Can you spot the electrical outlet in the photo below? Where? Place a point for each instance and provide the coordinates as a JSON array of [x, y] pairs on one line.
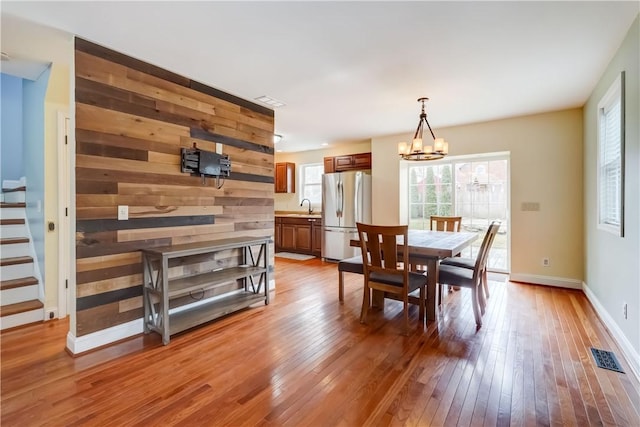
[[546, 262], [123, 212], [625, 309]]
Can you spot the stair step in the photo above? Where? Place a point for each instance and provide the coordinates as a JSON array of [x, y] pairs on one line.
[[12, 190], [13, 231], [13, 205], [14, 221], [16, 260], [13, 240], [21, 307], [18, 283]]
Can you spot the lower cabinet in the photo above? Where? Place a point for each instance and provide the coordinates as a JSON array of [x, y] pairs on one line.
[[316, 232], [299, 235]]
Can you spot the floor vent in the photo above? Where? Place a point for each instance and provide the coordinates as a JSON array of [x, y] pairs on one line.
[[606, 360]]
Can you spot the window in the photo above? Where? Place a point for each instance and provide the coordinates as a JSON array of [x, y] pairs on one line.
[[430, 190], [311, 182], [473, 187], [610, 159]]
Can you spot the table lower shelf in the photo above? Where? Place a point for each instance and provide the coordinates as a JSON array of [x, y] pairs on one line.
[[194, 316]]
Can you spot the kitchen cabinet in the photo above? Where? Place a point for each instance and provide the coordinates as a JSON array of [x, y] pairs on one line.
[[278, 233], [299, 235], [329, 167], [316, 238], [347, 162], [285, 177]]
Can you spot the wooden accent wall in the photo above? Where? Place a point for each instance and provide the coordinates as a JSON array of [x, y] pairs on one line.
[[132, 119]]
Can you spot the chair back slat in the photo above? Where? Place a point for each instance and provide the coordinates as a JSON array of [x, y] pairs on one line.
[[487, 241], [380, 252], [389, 249], [445, 223]]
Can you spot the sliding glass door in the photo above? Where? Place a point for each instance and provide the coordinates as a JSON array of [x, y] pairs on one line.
[[475, 188]]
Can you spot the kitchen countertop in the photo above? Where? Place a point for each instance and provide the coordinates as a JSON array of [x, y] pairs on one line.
[[298, 214]]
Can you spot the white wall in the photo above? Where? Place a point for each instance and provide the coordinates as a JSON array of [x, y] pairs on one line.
[[612, 265], [35, 42], [546, 167]]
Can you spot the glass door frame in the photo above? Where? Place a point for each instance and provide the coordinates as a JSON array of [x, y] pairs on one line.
[[452, 160]]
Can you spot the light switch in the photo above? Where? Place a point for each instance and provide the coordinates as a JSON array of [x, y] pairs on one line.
[[123, 212], [530, 206]]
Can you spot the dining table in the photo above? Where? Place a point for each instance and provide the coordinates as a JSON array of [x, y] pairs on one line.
[[426, 248]]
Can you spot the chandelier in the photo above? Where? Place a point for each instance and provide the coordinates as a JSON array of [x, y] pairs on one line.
[[417, 151]]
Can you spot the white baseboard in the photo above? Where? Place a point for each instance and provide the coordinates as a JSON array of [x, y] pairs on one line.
[[77, 345], [560, 282], [630, 354]]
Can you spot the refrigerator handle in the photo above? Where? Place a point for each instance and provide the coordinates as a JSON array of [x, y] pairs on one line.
[[340, 199]]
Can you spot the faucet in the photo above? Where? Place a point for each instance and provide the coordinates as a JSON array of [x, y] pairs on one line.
[[302, 202]]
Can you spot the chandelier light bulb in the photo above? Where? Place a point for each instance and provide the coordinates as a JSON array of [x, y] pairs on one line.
[[417, 145]]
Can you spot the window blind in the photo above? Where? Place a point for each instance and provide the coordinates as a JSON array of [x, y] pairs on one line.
[[610, 160]]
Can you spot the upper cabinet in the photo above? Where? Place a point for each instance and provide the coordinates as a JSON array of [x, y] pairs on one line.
[[348, 162], [328, 165], [285, 177]]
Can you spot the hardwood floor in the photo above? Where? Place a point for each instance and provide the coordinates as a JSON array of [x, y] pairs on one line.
[[305, 360]]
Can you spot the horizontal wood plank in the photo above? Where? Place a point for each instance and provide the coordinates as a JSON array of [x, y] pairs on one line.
[[107, 261], [102, 120], [98, 288], [153, 233], [96, 225]]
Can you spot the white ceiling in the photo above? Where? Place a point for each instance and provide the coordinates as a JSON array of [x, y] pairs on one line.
[[353, 70]]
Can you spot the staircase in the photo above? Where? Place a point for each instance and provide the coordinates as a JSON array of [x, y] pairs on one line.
[[19, 288]]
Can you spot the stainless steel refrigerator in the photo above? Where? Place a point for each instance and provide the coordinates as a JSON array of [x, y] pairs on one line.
[[346, 199]]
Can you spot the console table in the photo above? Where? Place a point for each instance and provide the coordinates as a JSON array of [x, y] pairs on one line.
[[159, 288]]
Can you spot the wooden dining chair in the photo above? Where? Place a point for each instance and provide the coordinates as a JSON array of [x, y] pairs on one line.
[[472, 278], [469, 263], [386, 268], [445, 223]]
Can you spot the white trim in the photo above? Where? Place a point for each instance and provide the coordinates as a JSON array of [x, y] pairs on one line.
[[613, 95], [36, 265], [97, 339], [103, 337], [560, 282], [71, 229], [629, 353], [64, 257]]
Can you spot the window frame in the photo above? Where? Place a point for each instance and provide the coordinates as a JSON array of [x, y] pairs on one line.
[[303, 183], [614, 94], [453, 161]]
